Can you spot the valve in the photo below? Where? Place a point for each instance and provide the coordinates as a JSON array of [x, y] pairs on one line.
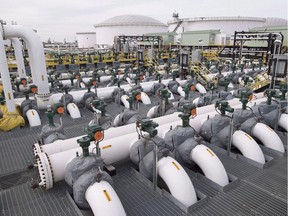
[[133, 96], [100, 105], [84, 143], [211, 86], [223, 107], [159, 77], [283, 90], [147, 125], [94, 132], [188, 110], [174, 74], [33, 89], [51, 111], [269, 93], [187, 88], [225, 83], [245, 97], [164, 94], [246, 80]]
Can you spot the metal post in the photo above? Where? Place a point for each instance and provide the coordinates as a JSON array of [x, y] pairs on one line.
[[231, 135], [155, 163]]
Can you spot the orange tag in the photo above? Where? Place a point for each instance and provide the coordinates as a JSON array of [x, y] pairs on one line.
[[98, 136], [94, 82], [24, 82], [193, 112], [138, 97], [60, 110], [33, 90], [192, 88]]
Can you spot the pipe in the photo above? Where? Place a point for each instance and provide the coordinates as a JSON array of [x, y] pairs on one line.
[[171, 95], [124, 101], [145, 98], [4, 71], [114, 150], [247, 146], [180, 91], [33, 118], [19, 57], [171, 120], [283, 121], [181, 187], [35, 48], [268, 137], [106, 93], [103, 200], [200, 88], [207, 160], [73, 110]]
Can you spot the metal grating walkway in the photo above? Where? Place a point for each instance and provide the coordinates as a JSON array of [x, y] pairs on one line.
[[23, 201]]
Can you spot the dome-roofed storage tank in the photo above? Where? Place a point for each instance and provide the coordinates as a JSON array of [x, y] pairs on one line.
[[130, 25]]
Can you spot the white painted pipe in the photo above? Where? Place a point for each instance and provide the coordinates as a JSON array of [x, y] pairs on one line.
[[152, 111], [171, 95], [248, 146], [35, 48], [180, 91], [73, 111], [207, 160], [268, 137], [19, 57], [283, 121], [125, 101], [171, 120], [33, 118], [181, 187], [4, 71], [145, 98], [200, 88], [114, 150], [103, 200]]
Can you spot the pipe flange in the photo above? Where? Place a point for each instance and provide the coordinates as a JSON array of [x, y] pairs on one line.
[[45, 171], [37, 149]]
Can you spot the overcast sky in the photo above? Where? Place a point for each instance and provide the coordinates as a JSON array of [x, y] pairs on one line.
[[59, 19]]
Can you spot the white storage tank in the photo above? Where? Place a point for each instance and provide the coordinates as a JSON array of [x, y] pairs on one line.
[[130, 25], [226, 24], [86, 39]]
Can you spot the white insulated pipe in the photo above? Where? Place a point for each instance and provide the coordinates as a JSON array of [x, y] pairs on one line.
[[210, 164], [268, 137], [248, 146], [283, 121], [180, 91], [200, 88], [114, 150], [73, 111], [35, 48], [181, 187], [103, 200], [19, 57], [33, 118], [8, 92], [173, 120]]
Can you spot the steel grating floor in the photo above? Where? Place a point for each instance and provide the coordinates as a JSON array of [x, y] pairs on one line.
[[257, 191]]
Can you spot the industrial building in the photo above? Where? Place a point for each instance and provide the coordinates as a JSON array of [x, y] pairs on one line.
[[86, 39]]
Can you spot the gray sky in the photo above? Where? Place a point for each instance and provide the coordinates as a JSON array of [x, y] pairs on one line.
[[59, 19]]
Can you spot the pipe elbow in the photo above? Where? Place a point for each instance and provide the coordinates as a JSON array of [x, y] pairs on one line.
[[268, 137], [248, 146], [210, 164], [103, 200], [177, 181]]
